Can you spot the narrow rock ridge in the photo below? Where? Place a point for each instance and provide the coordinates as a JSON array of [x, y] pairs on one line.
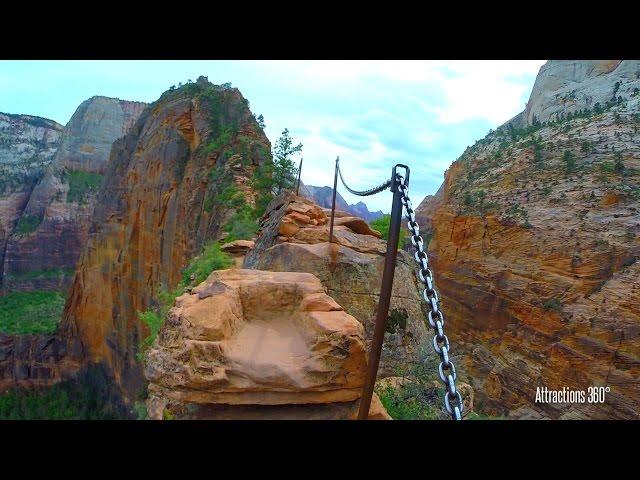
[[157, 207], [293, 237]]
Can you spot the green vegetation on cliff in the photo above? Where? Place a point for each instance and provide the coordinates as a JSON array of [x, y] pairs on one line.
[[200, 267], [45, 273], [281, 173], [81, 184], [382, 223], [30, 312], [211, 258], [242, 225], [411, 402], [27, 224]]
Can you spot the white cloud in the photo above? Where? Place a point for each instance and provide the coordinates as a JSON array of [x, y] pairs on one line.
[[372, 113]]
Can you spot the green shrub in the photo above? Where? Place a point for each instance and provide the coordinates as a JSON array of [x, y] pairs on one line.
[[569, 161], [552, 304], [382, 223], [27, 224], [242, 225], [397, 320], [154, 321], [618, 165], [212, 258], [30, 312], [81, 184], [403, 406], [607, 167]]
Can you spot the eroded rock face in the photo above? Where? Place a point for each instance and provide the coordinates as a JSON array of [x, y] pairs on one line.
[[61, 204], [566, 86], [539, 275], [251, 337], [27, 145], [157, 207], [294, 237], [35, 360]]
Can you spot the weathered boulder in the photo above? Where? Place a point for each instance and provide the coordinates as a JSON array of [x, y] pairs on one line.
[[251, 337], [238, 249], [351, 271]]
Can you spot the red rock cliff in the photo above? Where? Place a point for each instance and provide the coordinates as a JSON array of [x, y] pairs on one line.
[[535, 249], [157, 207]]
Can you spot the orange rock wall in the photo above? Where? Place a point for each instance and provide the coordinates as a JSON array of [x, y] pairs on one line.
[[154, 213]]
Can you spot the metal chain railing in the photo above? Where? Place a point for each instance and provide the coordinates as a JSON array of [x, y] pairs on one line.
[[446, 369], [364, 193]]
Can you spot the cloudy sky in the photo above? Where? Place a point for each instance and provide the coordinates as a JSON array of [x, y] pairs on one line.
[[373, 114]]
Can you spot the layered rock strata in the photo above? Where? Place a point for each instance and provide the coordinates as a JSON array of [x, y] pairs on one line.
[[60, 207], [535, 247]]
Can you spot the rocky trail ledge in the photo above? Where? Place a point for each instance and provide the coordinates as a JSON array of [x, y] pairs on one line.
[[284, 334]]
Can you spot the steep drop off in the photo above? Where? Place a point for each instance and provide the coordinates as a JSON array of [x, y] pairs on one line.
[[162, 198], [536, 239]]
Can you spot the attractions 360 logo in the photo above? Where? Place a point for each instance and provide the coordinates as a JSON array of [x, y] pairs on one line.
[[566, 395]]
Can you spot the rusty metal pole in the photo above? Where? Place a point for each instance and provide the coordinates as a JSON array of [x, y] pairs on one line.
[[299, 173], [333, 202], [384, 301]]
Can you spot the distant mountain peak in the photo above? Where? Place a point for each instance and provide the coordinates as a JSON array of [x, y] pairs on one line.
[[323, 196]]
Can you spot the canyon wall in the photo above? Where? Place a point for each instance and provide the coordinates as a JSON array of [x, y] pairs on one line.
[[535, 246], [43, 254], [159, 203], [27, 145]]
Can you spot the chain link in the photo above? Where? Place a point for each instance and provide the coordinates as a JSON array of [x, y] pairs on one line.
[[365, 193], [446, 369]]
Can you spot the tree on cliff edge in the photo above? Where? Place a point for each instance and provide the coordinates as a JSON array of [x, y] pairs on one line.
[[272, 177], [284, 170]]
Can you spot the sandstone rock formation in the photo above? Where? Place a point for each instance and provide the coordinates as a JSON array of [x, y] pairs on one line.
[[294, 236], [60, 208], [536, 239], [159, 203], [264, 341], [36, 360], [27, 146], [566, 86], [238, 249]]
